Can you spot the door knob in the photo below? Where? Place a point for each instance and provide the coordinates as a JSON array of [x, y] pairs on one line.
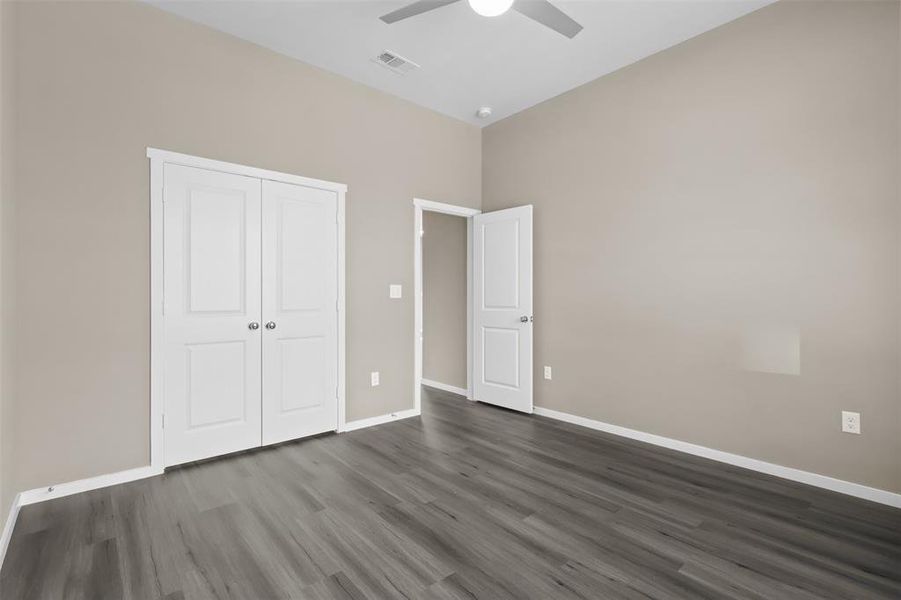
[[253, 326], [524, 319], [270, 325]]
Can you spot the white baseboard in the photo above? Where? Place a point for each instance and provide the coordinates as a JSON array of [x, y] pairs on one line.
[[92, 483], [8, 527], [101, 481], [814, 479], [85, 485], [445, 387], [380, 420]]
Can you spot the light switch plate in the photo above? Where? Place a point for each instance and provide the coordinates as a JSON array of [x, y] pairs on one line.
[[548, 374], [395, 290], [374, 378]]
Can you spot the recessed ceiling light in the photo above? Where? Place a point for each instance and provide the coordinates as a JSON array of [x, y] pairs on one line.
[[484, 112]]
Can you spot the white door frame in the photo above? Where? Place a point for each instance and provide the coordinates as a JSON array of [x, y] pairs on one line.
[[158, 159], [420, 205]]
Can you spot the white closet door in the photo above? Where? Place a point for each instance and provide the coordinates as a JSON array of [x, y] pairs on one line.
[[502, 315], [300, 277], [211, 304]]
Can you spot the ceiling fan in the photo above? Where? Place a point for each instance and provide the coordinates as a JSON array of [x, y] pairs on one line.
[[538, 10]]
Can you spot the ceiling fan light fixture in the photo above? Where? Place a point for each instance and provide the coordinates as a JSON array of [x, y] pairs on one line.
[[490, 8]]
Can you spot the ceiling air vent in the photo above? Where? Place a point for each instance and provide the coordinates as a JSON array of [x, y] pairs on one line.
[[395, 62]]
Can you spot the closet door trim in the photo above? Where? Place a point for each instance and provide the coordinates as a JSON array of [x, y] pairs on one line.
[[160, 158]]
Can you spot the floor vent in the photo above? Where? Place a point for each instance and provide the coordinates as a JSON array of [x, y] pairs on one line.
[[395, 62]]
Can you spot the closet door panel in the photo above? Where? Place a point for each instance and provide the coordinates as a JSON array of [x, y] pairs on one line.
[[300, 274], [211, 296]]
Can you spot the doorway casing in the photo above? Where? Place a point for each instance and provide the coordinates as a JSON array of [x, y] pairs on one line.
[[419, 206]]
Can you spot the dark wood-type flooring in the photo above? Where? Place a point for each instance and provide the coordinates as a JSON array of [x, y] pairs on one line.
[[468, 501]]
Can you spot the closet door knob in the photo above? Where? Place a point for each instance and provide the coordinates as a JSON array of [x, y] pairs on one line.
[[270, 325], [253, 326]]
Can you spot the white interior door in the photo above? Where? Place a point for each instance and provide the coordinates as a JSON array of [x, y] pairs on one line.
[[300, 311], [211, 302], [502, 308]]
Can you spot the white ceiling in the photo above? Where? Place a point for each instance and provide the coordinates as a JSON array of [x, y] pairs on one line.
[[508, 62]]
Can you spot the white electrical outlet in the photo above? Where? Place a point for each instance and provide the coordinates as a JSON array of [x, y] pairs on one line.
[[374, 378], [547, 372], [395, 290], [850, 422]]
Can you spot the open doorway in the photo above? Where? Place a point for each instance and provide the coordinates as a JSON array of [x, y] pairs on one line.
[[498, 326], [442, 278], [444, 283]]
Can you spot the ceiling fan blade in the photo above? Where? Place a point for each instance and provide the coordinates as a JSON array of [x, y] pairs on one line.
[[411, 10], [548, 15]]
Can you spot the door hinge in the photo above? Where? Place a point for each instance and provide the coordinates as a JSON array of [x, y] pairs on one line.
[[164, 420]]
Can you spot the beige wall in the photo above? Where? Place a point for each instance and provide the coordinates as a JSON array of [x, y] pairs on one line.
[[99, 82], [7, 119], [444, 298], [745, 181], [717, 239]]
